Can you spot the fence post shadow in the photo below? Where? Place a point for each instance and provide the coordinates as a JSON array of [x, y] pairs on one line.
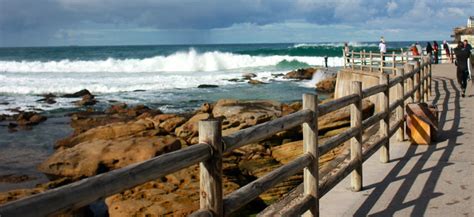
[[427, 193]]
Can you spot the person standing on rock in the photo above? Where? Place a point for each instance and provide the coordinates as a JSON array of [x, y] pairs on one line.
[[383, 49], [462, 72], [346, 52]]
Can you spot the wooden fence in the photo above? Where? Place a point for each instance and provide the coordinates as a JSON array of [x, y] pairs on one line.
[[412, 84]]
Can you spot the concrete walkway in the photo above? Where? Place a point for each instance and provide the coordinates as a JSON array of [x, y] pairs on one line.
[[435, 180]]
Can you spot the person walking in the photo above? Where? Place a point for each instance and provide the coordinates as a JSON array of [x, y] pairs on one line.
[[462, 55], [419, 48], [447, 51], [466, 45], [429, 50], [382, 49], [435, 51]]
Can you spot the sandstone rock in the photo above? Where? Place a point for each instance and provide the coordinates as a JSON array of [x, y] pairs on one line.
[[13, 195], [98, 156], [326, 85], [109, 131], [190, 129], [80, 93], [291, 108], [176, 194], [341, 118], [206, 108], [242, 114], [170, 124], [301, 74]]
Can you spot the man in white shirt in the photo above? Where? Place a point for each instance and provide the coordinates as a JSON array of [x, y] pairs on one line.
[[382, 48]]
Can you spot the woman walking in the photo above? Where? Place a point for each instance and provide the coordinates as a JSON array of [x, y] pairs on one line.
[[435, 51]]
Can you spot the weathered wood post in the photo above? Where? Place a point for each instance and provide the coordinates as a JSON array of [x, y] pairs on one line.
[[344, 57], [401, 107], [381, 62], [394, 59], [409, 68], [426, 79], [211, 169], [430, 79], [371, 61], [310, 146], [417, 82], [422, 81], [385, 122], [401, 50], [356, 141], [352, 59]]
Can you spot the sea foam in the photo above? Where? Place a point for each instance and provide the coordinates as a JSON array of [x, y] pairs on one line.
[[190, 61]]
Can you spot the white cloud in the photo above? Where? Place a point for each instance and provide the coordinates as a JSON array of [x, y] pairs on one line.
[[391, 7]]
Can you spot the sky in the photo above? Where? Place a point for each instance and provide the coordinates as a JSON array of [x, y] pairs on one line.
[[141, 22]]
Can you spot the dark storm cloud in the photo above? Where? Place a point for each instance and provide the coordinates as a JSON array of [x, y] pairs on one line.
[[48, 20]]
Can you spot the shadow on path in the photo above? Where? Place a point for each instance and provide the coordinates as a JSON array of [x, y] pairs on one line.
[[446, 133]]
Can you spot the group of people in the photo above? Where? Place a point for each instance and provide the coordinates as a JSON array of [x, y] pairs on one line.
[[463, 53]]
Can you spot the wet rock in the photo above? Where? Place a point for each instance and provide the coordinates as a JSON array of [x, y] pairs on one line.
[[97, 156], [4, 103], [207, 86], [301, 74], [235, 80], [326, 85], [80, 93], [249, 76], [14, 178], [87, 100], [2, 117], [251, 81], [29, 118], [278, 75]]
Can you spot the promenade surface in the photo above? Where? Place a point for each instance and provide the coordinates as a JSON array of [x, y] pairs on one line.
[[435, 180]]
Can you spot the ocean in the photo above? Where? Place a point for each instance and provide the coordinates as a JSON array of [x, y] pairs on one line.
[[160, 76]]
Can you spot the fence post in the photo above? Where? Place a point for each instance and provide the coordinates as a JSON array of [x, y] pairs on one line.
[[381, 62], [356, 141], [409, 68], [352, 59], [371, 61], [429, 80], [310, 145], [385, 122], [394, 62], [425, 79], [401, 50], [401, 107], [211, 169], [417, 82]]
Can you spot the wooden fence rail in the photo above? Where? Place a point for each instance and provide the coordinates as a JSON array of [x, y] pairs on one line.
[[208, 153]]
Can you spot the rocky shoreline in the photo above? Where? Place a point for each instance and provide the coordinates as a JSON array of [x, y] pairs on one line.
[[121, 135]]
